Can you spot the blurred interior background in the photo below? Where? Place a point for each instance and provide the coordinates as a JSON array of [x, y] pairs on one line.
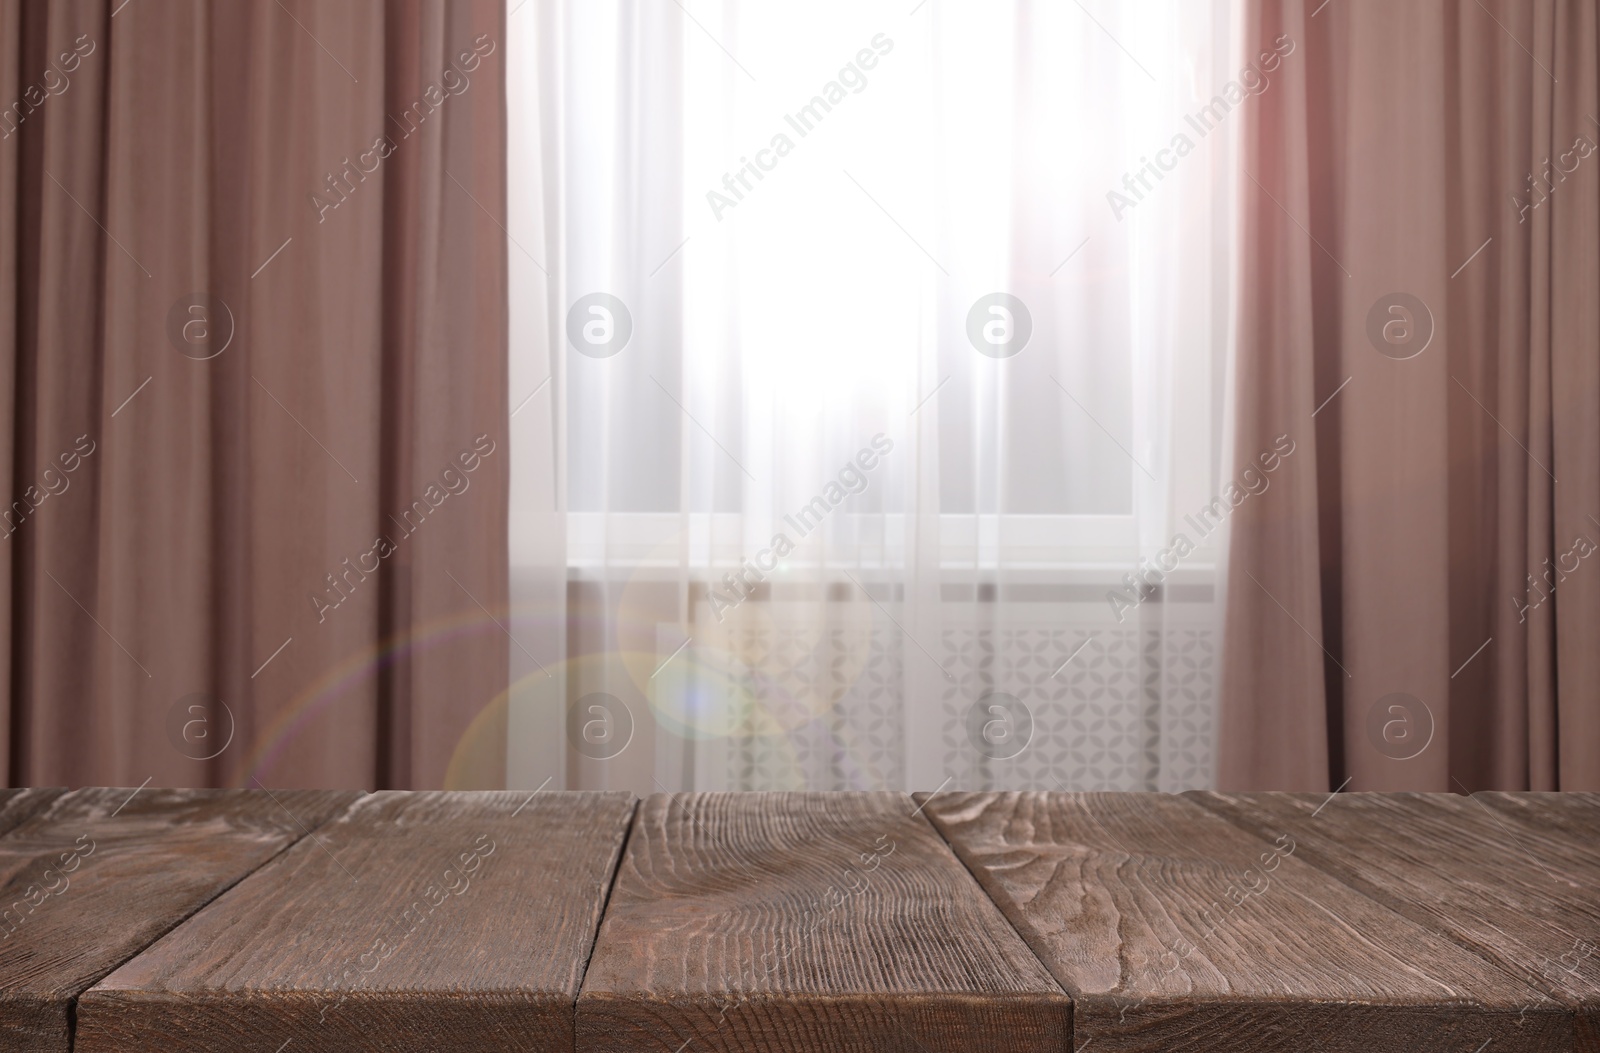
[[725, 395]]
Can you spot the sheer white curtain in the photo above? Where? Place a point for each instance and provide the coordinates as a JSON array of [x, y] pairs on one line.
[[871, 347]]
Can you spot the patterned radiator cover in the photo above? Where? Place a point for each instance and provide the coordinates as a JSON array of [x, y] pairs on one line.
[[828, 709]]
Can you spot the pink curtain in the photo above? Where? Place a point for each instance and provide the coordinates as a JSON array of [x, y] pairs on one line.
[[1415, 605], [253, 374]]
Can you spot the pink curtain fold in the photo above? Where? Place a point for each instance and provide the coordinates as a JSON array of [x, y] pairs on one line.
[[251, 261], [1416, 605]]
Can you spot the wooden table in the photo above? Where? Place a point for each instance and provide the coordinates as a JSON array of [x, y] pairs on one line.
[[295, 922]]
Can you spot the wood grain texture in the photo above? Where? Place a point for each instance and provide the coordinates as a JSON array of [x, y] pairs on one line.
[[19, 805], [1572, 817], [806, 921], [414, 923], [1519, 894], [1173, 930], [99, 874]]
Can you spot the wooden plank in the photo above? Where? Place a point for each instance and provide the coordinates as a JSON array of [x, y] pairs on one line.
[[1520, 896], [1176, 931], [19, 805], [435, 922], [806, 921], [101, 873], [1572, 816]]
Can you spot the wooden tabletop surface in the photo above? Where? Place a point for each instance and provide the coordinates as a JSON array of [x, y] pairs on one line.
[[192, 921]]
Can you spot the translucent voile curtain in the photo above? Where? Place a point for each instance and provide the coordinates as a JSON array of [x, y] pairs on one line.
[[879, 357]]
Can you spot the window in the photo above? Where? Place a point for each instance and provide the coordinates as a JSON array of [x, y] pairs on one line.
[[983, 235]]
